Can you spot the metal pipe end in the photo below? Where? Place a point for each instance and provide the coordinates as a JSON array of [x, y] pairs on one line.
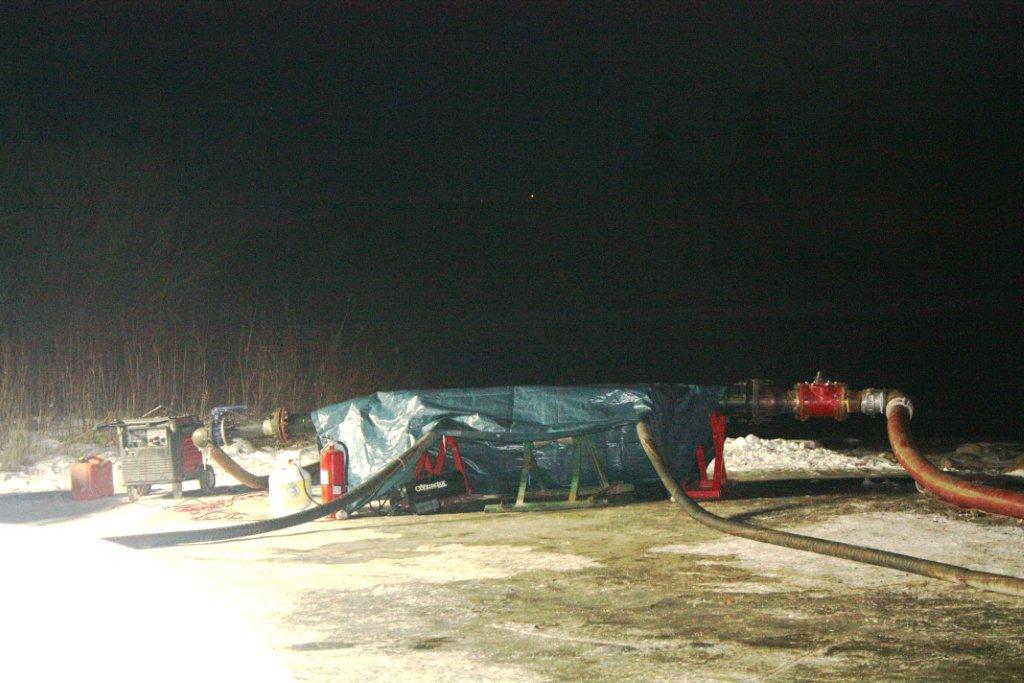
[[201, 437], [872, 401]]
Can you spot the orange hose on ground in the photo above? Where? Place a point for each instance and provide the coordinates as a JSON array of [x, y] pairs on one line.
[[945, 486], [227, 463]]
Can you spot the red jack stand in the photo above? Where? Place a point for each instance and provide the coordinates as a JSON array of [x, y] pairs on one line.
[[424, 468], [710, 488]]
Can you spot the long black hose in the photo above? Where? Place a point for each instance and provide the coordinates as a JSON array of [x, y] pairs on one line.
[[999, 583], [358, 495]]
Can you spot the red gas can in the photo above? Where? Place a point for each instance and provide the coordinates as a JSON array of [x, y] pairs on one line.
[[333, 483], [92, 478]]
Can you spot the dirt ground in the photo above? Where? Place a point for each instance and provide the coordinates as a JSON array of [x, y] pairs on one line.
[[620, 593]]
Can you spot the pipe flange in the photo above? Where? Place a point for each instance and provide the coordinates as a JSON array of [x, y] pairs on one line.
[[282, 425]]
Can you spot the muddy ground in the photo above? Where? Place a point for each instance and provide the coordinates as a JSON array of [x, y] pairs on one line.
[[621, 593]]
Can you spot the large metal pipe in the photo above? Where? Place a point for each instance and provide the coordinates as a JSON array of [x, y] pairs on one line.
[[281, 425], [757, 401], [1009, 585]]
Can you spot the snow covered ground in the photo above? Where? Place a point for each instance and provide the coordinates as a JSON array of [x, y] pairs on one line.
[[752, 454], [289, 599], [53, 472]]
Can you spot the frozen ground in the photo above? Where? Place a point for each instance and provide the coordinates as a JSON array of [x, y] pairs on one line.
[[52, 472], [634, 592]]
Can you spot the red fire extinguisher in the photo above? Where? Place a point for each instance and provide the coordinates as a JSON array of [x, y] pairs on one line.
[[332, 473]]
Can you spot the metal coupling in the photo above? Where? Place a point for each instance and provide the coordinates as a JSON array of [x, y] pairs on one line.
[[821, 398], [276, 426], [872, 401], [201, 437]]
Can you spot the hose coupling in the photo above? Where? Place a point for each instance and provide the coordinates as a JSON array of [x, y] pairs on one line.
[[896, 400], [201, 437], [872, 401]]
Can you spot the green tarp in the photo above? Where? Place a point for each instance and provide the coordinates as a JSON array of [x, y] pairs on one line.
[[492, 424]]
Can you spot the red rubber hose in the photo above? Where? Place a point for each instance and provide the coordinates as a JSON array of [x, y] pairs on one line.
[[945, 486]]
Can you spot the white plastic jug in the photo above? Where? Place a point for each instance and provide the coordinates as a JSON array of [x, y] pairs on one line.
[[289, 487]]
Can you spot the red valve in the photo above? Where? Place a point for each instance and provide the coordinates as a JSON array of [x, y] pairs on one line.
[[821, 399]]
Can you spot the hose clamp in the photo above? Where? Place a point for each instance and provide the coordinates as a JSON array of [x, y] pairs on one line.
[[897, 401]]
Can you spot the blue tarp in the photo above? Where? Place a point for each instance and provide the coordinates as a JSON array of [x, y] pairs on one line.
[[492, 424]]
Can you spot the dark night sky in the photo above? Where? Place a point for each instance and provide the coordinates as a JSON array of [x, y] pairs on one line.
[[597, 192]]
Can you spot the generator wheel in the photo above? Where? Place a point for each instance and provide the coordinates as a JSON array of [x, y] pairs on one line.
[[207, 480], [176, 489], [136, 492]]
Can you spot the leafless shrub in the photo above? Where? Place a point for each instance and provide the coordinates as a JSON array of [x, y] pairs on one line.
[[110, 305]]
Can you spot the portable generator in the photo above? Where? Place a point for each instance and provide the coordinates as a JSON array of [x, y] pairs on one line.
[[159, 450]]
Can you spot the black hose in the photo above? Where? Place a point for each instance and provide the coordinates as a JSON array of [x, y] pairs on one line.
[[999, 583], [356, 497]]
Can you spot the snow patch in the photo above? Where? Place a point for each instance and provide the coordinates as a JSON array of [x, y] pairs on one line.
[[753, 454], [53, 471]]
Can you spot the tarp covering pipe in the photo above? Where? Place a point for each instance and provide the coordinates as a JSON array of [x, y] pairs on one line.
[[491, 425]]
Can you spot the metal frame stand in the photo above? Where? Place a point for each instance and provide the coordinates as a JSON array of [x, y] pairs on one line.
[[582, 445], [710, 488]]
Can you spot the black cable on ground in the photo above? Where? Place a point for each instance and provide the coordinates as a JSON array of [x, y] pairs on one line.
[[356, 497], [999, 583]]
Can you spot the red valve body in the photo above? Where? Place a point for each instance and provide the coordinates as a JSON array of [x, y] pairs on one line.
[[821, 399]]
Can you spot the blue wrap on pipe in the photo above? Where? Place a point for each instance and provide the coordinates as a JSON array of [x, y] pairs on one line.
[[492, 424]]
